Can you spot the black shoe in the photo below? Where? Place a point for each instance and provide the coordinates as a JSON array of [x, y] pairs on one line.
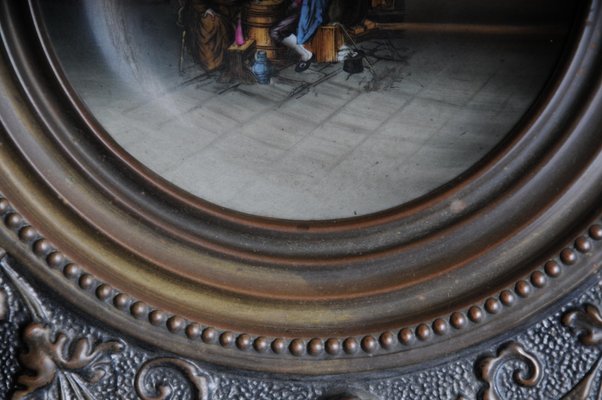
[[304, 65]]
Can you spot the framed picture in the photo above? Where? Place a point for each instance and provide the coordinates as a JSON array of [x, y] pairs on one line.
[[310, 199]]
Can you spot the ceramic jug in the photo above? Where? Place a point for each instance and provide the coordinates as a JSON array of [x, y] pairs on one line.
[[262, 69]]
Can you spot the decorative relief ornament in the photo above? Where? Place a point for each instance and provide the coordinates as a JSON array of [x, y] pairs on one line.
[[198, 380], [587, 324], [219, 303], [527, 369], [50, 359]]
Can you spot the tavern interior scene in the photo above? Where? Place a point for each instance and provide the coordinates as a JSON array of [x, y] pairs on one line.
[[309, 109]]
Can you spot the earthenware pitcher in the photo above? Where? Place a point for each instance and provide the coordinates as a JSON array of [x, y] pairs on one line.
[[262, 69]]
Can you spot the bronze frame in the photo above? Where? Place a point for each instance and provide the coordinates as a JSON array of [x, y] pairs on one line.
[[476, 259]]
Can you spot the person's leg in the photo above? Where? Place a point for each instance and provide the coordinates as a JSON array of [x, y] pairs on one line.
[[284, 32], [291, 42]]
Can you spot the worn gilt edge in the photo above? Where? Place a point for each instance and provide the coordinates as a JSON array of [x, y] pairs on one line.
[[362, 345]]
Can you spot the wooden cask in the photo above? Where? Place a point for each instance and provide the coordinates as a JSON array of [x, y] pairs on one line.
[[260, 17]]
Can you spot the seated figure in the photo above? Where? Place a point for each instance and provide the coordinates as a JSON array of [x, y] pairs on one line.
[[210, 26], [303, 19]]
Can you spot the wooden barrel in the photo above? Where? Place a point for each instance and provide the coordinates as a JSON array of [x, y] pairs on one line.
[[260, 17]]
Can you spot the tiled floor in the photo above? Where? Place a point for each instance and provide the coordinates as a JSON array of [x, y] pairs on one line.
[[347, 146]]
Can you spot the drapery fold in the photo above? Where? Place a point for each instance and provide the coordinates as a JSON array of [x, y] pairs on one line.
[[313, 14]]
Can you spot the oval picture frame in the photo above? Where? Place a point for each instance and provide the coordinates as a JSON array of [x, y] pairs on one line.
[[468, 263]]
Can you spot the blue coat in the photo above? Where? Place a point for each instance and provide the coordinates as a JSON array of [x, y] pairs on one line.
[[313, 14]]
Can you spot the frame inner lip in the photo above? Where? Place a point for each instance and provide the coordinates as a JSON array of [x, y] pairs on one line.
[[357, 242], [186, 216], [150, 182]]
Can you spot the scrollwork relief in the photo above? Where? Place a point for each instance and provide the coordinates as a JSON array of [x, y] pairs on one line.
[[49, 359], [57, 362], [587, 325], [200, 383], [526, 373]]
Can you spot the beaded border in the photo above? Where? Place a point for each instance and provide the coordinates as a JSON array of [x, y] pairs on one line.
[[371, 344]]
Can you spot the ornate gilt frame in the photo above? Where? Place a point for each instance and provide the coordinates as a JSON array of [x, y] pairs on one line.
[[416, 295]]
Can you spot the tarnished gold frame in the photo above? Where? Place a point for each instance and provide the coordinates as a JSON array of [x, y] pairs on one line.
[[460, 266]]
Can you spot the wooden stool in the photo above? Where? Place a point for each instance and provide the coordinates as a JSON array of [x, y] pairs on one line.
[[326, 43], [235, 68]]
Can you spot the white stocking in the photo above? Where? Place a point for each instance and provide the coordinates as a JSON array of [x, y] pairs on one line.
[[291, 42]]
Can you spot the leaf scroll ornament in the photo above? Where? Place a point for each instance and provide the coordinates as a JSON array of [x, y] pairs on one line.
[[147, 390], [587, 324], [527, 374], [53, 361], [46, 358]]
